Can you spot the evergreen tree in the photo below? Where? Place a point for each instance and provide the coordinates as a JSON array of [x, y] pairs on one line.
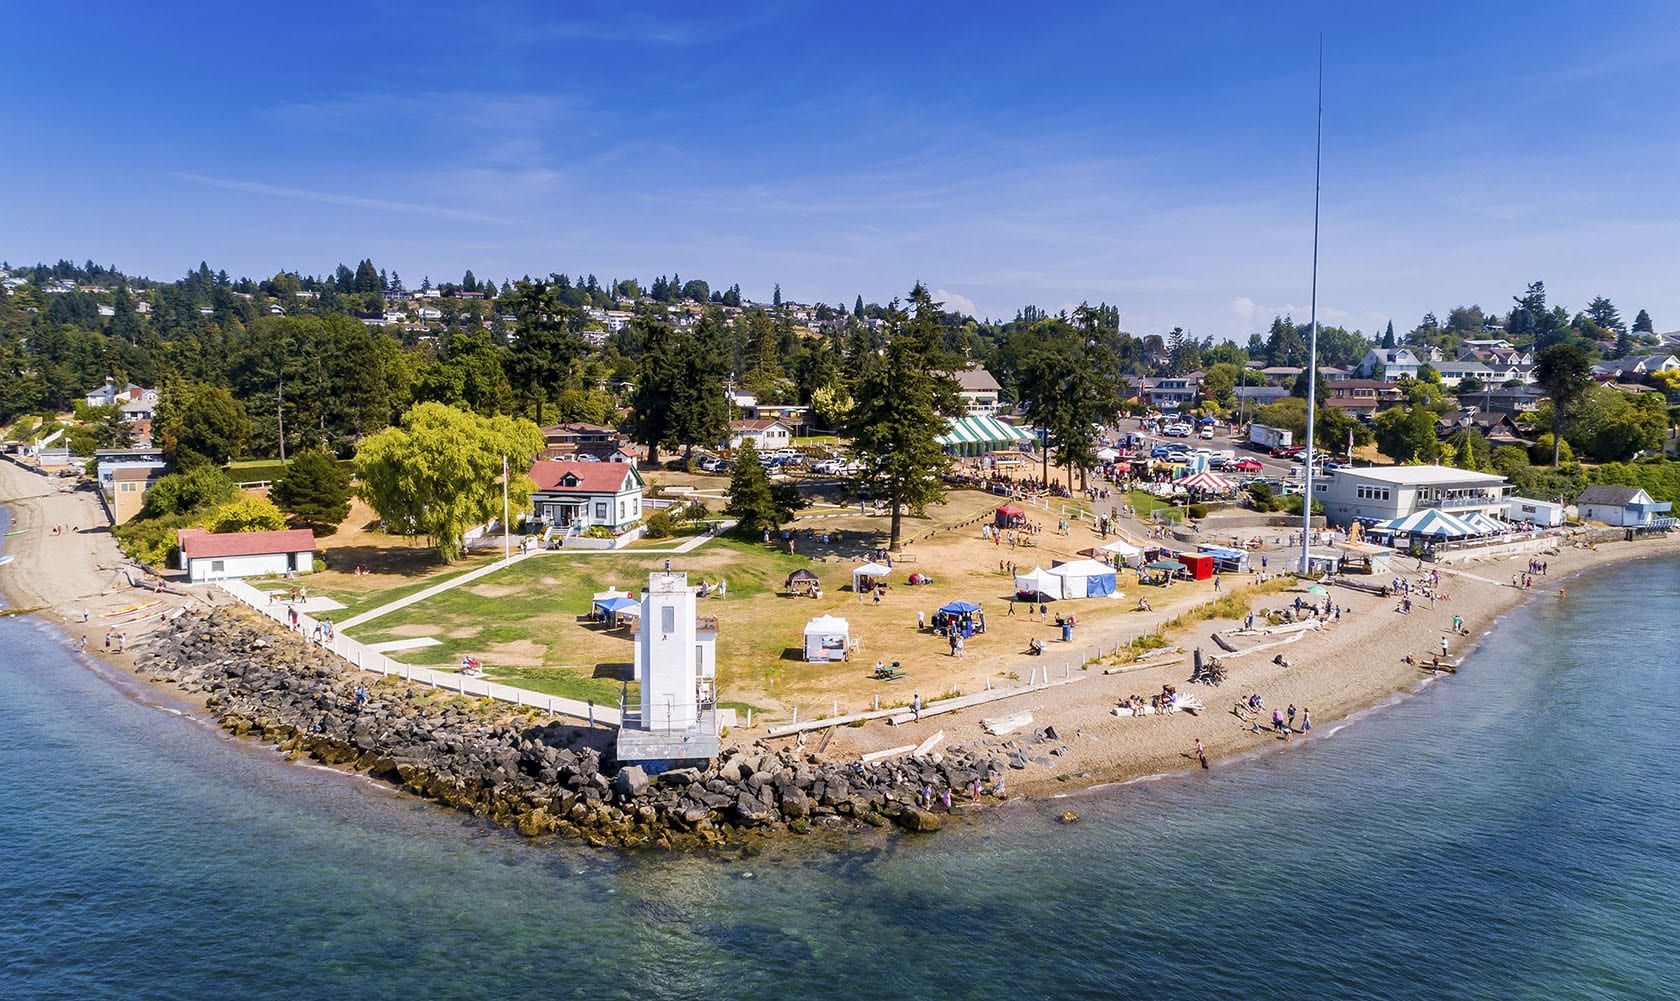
[[857, 307], [758, 504], [539, 363], [366, 278], [314, 491], [1565, 372], [902, 402], [776, 297], [1604, 313], [1642, 323]]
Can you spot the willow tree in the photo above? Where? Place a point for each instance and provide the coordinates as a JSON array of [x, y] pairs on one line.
[[440, 472], [902, 404]]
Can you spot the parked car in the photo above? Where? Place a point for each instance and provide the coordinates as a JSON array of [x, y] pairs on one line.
[[713, 464], [1207, 432]]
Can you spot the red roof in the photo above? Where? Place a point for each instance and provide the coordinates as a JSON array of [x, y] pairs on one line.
[[198, 544], [590, 477]]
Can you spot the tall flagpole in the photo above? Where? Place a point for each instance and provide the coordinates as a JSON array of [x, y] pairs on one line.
[[1312, 343], [507, 550]]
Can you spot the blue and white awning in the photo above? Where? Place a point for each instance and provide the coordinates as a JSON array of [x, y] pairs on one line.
[[1431, 522]]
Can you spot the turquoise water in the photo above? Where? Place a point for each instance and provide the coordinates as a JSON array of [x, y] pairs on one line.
[[1502, 834]]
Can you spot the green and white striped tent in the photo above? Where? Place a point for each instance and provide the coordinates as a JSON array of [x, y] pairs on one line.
[[978, 435]]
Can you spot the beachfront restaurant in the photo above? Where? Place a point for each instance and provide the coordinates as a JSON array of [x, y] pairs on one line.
[[1380, 494]]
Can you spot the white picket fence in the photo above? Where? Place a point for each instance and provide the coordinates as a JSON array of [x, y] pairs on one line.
[[365, 659]]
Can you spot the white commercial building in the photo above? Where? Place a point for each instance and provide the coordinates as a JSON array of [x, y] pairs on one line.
[[1382, 493]]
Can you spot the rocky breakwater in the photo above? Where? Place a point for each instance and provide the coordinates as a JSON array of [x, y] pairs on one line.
[[537, 775]]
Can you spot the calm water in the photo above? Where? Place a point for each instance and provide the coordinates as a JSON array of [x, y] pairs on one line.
[[1500, 835]]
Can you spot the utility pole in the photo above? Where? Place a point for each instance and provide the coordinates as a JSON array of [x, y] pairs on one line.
[[280, 418], [1312, 343]]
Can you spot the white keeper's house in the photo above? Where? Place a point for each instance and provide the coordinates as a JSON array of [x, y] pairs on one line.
[[586, 494], [1382, 493]]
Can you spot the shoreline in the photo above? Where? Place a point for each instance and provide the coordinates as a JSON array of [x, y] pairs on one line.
[[1344, 672]]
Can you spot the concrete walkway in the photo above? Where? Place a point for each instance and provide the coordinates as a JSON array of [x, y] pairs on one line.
[[367, 659], [481, 572]]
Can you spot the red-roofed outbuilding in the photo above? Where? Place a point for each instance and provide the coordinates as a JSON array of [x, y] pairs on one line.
[[221, 555]]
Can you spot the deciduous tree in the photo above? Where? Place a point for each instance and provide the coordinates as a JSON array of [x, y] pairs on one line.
[[440, 472]]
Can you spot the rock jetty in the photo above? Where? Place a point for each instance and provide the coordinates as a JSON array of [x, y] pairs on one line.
[[534, 774]]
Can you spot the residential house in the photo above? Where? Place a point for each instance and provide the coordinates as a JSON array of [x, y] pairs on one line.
[[128, 490], [1363, 397], [107, 461], [579, 438], [1454, 372], [111, 395], [586, 494], [1382, 493], [1389, 364], [1496, 427], [1498, 399], [1626, 507], [1636, 366], [1261, 395], [1174, 391], [764, 434], [207, 556]]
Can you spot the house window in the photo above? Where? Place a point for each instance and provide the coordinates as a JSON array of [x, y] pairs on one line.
[[601, 510], [217, 566]]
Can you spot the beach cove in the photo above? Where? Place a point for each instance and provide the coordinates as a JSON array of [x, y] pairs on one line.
[[758, 785]]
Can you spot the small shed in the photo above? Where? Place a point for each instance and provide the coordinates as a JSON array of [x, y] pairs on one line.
[[220, 556], [866, 577], [1197, 566], [1086, 579], [827, 637], [803, 581], [1039, 585]]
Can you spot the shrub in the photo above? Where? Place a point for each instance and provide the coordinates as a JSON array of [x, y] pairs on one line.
[[597, 532], [1198, 511], [659, 525]]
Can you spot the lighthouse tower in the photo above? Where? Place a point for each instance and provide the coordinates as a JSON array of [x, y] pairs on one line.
[[667, 654]]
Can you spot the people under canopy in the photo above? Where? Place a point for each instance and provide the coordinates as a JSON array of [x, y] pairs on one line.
[[1160, 573], [612, 609], [965, 617], [1039, 585], [803, 581], [1008, 516], [868, 577], [1086, 579], [827, 637], [1120, 551]]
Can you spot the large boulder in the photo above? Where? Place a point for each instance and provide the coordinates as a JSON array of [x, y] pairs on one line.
[[631, 782], [913, 818]]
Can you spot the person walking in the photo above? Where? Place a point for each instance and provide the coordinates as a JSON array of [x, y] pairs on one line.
[[916, 706], [1443, 646], [1306, 719], [1201, 752]]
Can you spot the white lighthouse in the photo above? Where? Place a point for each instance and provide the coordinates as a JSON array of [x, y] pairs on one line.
[[677, 667]]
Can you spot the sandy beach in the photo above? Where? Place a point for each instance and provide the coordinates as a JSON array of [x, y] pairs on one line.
[[77, 579]]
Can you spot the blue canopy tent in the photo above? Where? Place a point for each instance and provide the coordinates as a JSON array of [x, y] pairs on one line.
[[965, 616], [608, 609]]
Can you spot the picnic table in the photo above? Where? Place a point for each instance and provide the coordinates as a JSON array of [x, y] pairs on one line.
[[893, 673]]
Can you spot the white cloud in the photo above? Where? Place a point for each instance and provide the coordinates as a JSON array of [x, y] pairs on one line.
[[353, 201], [954, 303]]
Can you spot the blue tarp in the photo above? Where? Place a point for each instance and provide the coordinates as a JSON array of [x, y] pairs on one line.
[[1099, 585], [614, 605], [960, 608]]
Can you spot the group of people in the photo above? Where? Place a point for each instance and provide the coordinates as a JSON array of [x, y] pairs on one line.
[[1249, 710]]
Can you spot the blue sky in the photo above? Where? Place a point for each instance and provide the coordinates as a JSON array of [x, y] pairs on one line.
[[1154, 156]]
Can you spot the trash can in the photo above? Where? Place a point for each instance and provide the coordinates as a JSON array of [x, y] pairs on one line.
[[1067, 632]]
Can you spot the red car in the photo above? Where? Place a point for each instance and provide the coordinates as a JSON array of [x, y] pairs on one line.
[[1246, 466]]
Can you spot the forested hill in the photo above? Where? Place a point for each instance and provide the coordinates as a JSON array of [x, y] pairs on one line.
[[334, 357]]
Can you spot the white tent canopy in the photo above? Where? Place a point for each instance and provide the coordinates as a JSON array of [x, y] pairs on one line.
[[827, 637], [1086, 579], [872, 570], [1127, 552], [1039, 581]]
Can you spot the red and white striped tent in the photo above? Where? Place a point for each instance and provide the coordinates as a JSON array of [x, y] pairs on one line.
[[1206, 482]]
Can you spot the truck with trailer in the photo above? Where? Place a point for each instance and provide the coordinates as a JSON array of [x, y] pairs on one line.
[[1270, 438]]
